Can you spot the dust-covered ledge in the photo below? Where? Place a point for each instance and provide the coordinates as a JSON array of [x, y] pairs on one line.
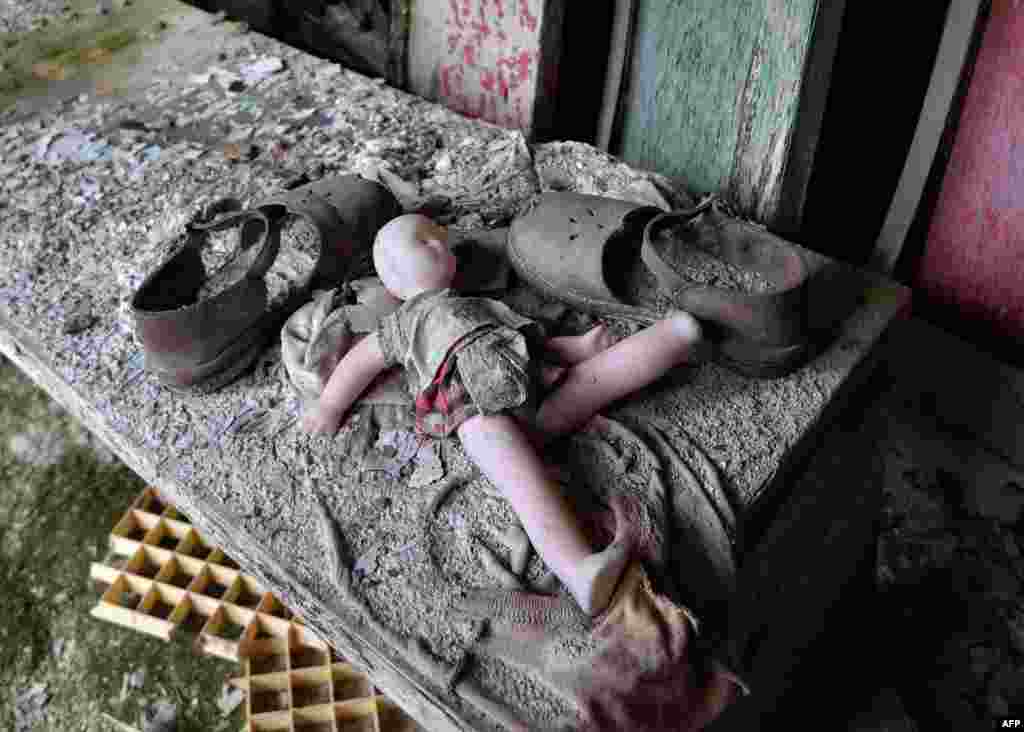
[[97, 186]]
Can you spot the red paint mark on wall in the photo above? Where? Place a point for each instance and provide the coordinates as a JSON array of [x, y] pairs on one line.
[[456, 17], [488, 108], [974, 258], [445, 74], [482, 26], [492, 56], [519, 64], [528, 19]]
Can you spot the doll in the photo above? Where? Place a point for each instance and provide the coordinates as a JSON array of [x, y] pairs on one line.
[[477, 366]]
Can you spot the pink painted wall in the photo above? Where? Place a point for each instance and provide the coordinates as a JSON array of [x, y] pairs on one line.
[[974, 257], [485, 58]]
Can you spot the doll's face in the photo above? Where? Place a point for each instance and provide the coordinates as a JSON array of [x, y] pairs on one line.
[[411, 256]]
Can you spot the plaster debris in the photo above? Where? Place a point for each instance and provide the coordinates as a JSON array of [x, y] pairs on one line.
[[428, 466], [224, 77], [90, 187], [578, 167], [392, 452], [367, 562], [137, 678], [57, 648], [257, 71], [73, 145], [131, 681], [79, 317], [30, 707], [160, 716]]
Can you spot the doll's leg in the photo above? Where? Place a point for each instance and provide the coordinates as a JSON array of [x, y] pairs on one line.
[[574, 349], [612, 374], [499, 447]]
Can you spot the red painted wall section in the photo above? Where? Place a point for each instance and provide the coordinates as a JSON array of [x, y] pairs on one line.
[[490, 68], [974, 256], [484, 57]]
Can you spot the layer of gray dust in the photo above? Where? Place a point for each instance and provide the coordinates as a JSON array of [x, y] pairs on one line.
[[545, 708], [17, 16], [100, 222], [582, 168], [296, 258], [699, 262], [224, 263]]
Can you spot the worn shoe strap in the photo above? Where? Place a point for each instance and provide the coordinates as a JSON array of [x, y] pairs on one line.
[[267, 237]]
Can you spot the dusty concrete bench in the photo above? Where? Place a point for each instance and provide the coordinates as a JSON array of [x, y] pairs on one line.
[[96, 186]]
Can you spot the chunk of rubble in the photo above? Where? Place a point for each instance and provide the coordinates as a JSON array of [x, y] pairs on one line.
[[30, 707], [160, 716], [428, 466]]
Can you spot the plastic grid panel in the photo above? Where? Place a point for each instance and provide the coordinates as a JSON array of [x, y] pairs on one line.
[[162, 578], [295, 683]]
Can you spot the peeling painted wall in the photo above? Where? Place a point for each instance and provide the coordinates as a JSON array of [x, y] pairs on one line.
[[487, 59], [974, 256], [714, 94]]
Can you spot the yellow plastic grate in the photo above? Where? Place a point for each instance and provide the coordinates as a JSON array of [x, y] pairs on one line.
[[162, 578]]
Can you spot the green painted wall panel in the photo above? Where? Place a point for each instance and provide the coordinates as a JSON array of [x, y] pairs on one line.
[[714, 94]]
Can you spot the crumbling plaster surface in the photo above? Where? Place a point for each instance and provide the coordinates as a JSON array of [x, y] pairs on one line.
[[95, 188]]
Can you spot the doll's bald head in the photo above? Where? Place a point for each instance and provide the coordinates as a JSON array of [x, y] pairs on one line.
[[411, 255]]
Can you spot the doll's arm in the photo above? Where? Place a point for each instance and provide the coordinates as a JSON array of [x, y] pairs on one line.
[[359, 367]]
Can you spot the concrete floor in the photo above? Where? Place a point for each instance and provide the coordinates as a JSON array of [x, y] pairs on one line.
[[938, 641], [60, 495]]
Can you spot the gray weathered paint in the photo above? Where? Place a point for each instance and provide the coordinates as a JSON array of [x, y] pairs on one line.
[[716, 92]]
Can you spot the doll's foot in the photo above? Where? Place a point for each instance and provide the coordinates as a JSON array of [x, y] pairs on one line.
[[597, 576]]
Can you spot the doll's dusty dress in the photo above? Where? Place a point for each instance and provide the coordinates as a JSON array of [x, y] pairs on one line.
[[468, 356], [475, 376]]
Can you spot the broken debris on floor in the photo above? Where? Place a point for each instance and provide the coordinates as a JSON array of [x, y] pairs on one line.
[[30, 707]]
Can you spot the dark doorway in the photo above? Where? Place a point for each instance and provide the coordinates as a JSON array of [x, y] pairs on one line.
[[879, 80]]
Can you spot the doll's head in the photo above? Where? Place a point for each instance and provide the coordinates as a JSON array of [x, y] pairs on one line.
[[411, 256]]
